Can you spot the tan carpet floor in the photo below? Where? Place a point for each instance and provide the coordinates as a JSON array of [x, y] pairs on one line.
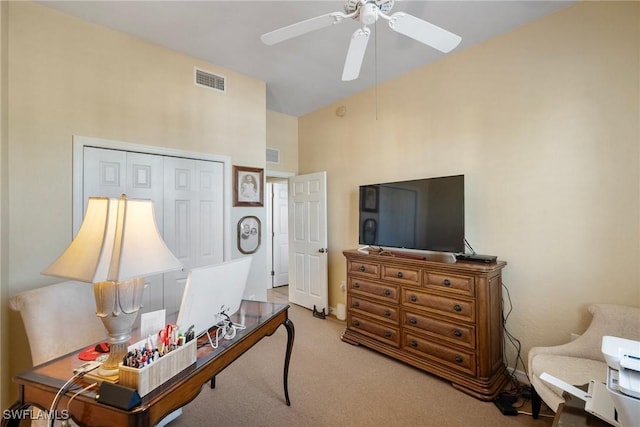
[[332, 383]]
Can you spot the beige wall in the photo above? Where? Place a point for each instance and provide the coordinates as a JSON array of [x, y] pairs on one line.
[[70, 77], [544, 123], [282, 134]]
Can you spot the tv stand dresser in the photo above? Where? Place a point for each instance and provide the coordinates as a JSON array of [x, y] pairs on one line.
[[443, 318]]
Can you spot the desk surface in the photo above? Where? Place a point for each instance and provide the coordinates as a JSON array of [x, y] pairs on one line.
[[40, 384]]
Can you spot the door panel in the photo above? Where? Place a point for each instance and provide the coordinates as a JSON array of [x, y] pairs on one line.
[[308, 241], [188, 205], [193, 219], [111, 173]]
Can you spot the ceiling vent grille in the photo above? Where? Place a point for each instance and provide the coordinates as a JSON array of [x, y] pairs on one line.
[[210, 80], [273, 155]]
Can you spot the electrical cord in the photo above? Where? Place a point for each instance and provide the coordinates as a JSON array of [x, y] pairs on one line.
[[466, 242], [65, 423], [225, 329], [515, 342], [59, 394]]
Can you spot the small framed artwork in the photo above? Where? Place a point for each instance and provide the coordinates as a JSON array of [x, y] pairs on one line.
[[248, 186], [249, 234], [369, 198]]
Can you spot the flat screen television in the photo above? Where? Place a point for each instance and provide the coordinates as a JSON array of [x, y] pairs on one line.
[[424, 214]]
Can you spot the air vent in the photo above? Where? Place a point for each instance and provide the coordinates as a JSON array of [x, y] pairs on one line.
[[210, 80], [273, 155]]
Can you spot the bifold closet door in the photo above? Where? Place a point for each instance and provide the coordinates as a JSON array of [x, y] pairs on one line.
[[111, 173], [193, 214], [188, 202]]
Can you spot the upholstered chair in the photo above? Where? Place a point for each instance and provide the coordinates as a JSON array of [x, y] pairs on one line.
[[580, 360], [58, 319]]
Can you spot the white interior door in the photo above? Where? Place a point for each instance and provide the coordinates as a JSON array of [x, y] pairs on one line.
[[280, 221], [308, 241]]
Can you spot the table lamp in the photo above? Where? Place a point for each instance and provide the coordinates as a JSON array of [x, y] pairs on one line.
[[118, 243]]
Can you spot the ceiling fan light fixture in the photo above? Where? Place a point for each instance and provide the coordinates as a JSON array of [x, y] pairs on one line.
[[369, 14]]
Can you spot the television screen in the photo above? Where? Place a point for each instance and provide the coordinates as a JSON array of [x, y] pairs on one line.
[[425, 214]]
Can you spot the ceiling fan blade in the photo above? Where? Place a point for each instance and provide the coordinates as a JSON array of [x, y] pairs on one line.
[[424, 32], [355, 54], [302, 27]]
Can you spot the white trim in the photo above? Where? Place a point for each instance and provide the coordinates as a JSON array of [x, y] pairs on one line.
[[80, 142], [278, 174]]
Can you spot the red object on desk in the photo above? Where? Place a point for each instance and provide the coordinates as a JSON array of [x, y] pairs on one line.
[[93, 352]]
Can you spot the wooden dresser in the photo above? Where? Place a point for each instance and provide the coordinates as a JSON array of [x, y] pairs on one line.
[[443, 318]]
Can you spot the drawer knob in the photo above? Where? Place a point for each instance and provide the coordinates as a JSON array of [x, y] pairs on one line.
[[413, 344], [388, 335], [363, 268], [387, 313], [457, 308], [356, 323], [457, 333], [458, 359], [387, 292], [413, 321], [356, 285], [413, 298], [400, 275], [356, 304], [446, 282]]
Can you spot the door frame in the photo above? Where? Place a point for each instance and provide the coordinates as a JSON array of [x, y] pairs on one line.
[[272, 175], [80, 142]]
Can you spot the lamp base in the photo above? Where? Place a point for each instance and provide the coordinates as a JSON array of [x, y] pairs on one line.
[[117, 305], [102, 372], [97, 377]]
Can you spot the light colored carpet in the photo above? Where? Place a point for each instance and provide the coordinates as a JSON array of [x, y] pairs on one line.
[[332, 383]]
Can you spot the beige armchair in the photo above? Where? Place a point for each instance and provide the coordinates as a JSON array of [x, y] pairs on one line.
[[58, 319], [580, 360]]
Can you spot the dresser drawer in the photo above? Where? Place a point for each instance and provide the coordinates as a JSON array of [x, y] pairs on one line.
[[456, 308], [450, 283], [401, 275], [368, 269], [380, 331], [373, 309], [457, 333], [460, 360], [384, 292]]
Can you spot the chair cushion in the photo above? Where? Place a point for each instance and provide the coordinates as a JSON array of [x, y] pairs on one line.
[[573, 370]]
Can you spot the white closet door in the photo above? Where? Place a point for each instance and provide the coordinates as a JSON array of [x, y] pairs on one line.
[[193, 214], [110, 173]]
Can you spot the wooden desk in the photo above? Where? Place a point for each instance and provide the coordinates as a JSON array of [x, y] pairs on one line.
[[39, 385]]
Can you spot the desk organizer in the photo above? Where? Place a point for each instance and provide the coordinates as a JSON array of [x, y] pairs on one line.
[[155, 374]]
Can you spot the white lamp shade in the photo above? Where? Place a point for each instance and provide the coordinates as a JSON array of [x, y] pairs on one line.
[[118, 240]]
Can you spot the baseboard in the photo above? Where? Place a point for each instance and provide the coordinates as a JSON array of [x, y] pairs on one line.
[[520, 376]]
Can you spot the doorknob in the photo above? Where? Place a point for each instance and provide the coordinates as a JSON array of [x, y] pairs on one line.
[[323, 250]]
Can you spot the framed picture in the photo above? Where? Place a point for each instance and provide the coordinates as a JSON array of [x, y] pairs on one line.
[[249, 234], [248, 186], [369, 198]]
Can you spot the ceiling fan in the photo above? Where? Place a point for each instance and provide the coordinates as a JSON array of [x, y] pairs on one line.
[[367, 12]]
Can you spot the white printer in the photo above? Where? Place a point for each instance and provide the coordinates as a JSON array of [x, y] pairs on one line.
[[618, 401], [623, 378]]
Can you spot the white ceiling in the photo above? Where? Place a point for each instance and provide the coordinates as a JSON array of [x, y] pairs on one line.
[[302, 74]]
